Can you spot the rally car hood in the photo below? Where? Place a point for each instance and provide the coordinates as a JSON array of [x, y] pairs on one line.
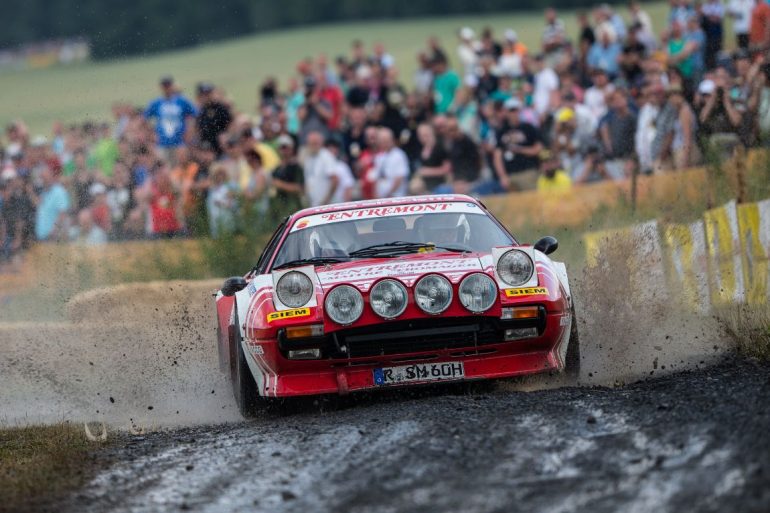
[[408, 269]]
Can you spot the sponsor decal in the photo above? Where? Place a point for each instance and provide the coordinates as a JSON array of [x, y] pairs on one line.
[[565, 320], [288, 314], [526, 291], [252, 289], [386, 211], [257, 349], [400, 269]]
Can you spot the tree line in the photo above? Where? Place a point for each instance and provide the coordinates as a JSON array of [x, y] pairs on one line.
[[118, 28]]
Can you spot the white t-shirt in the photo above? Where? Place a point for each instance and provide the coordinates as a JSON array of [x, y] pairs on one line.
[[741, 10], [346, 181], [546, 81], [318, 170], [390, 167], [596, 101]]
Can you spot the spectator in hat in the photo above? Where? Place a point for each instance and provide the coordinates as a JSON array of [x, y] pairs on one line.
[[467, 50], [553, 179], [516, 156], [605, 52], [288, 178], [171, 113], [214, 117]]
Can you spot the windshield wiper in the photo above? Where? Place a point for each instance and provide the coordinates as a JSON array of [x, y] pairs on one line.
[[391, 249], [311, 261]]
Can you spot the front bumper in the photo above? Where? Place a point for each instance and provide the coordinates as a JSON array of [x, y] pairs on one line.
[[349, 359]]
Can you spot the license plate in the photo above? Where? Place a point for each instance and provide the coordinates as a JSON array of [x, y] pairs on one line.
[[419, 372]]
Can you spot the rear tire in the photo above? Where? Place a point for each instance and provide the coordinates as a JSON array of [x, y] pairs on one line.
[[572, 359], [244, 386]]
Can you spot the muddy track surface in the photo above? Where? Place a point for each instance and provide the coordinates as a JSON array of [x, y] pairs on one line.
[[692, 441]]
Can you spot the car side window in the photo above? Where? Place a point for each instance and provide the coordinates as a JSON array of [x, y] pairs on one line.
[[264, 258]]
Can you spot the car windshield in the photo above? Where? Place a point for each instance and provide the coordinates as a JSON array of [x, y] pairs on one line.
[[453, 226]]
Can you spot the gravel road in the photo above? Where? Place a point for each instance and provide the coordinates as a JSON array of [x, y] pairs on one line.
[[691, 441]]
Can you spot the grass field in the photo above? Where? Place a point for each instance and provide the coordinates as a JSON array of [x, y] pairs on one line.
[[86, 91]]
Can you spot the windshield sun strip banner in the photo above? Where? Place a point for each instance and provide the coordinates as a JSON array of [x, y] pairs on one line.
[[451, 207]]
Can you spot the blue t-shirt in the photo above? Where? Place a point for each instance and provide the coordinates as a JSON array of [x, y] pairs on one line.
[[54, 201], [603, 58], [170, 115]]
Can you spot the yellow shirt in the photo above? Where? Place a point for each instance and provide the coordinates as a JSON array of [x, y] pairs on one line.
[[560, 182]]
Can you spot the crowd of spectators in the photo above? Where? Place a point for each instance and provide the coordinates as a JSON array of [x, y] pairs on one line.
[[623, 97]]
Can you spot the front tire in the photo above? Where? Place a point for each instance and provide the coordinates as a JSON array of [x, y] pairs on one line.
[[572, 359], [244, 386]]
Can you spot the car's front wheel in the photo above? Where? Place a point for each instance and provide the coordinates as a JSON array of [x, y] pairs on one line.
[[244, 386]]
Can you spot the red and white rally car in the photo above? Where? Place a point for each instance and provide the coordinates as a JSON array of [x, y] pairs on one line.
[[402, 291]]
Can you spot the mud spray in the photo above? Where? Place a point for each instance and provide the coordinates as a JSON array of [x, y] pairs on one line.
[[144, 355]]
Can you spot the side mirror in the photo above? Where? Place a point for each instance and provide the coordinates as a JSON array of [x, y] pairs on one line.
[[547, 245], [233, 285]]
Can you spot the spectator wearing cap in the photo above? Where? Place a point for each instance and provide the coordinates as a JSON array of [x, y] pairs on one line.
[[445, 85], [52, 206], [518, 147], [214, 117], [553, 178], [288, 178], [171, 113], [720, 118], [467, 49], [605, 52], [100, 209]]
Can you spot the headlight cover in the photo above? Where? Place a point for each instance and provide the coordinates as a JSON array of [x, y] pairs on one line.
[[388, 298], [515, 268], [478, 292], [344, 304], [294, 289], [433, 294]]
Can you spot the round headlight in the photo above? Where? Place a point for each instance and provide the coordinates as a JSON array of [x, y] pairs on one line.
[[433, 294], [294, 289], [344, 304], [478, 292], [388, 298], [515, 268]]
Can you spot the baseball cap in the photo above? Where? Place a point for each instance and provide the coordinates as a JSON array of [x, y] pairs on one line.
[[741, 53], [285, 140], [166, 80], [510, 35], [97, 188], [8, 174], [707, 87], [512, 104], [205, 87], [467, 33], [565, 114]]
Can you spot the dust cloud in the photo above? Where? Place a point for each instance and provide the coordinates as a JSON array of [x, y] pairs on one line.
[[145, 354]]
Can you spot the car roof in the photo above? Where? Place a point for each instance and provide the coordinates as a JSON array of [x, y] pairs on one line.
[[404, 200]]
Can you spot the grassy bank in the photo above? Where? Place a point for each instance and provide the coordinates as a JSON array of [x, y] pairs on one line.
[[750, 325], [42, 464]]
